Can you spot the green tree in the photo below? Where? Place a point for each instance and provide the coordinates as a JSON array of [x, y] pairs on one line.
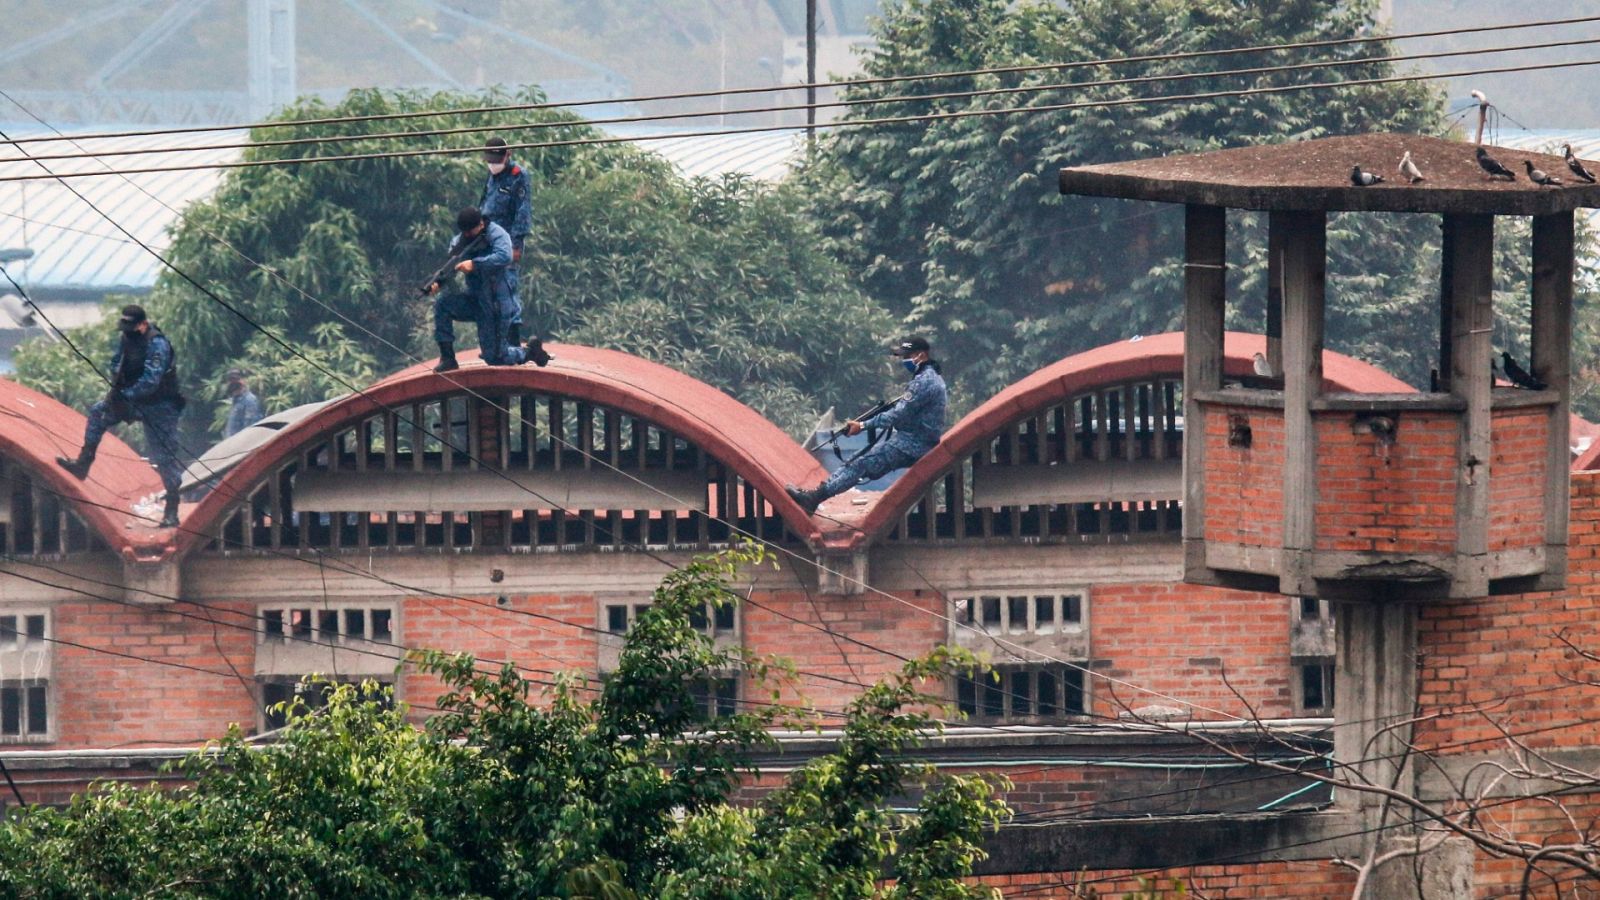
[[957, 225], [513, 790], [722, 279]]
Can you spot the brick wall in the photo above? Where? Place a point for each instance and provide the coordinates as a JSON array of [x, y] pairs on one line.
[[1516, 477], [1374, 495], [1503, 653], [102, 700], [1179, 639], [1244, 485]]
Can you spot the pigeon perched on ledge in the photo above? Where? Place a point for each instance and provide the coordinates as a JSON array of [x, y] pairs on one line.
[[1540, 176], [1364, 179], [1492, 166], [1576, 165], [1409, 169]]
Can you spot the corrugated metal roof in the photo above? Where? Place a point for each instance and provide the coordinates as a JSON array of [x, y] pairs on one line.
[[76, 249], [73, 247]]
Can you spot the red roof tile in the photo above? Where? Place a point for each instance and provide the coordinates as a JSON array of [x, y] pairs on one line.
[[1160, 354], [35, 429], [727, 429]]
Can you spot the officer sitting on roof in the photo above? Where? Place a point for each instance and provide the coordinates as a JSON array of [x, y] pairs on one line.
[[144, 388], [487, 299], [917, 420]]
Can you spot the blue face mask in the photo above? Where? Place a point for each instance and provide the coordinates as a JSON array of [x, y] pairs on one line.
[[910, 365]]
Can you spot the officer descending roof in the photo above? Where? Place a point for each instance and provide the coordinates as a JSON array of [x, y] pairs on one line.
[[144, 388]]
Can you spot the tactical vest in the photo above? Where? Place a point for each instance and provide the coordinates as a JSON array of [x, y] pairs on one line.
[[135, 349]]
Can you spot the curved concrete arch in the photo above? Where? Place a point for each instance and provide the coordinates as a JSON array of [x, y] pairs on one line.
[[728, 430], [1129, 360], [35, 429]]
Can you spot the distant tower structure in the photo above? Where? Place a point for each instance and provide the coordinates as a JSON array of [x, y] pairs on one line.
[[271, 36], [1380, 503]]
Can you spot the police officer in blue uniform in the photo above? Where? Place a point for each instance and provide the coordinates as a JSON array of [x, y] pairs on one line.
[[144, 388], [486, 300], [508, 202], [916, 421]]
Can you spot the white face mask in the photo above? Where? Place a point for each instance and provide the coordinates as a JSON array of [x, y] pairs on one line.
[[496, 168]]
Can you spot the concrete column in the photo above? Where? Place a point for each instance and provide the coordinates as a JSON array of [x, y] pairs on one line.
[[1303, 236], [1471, 324], [1275, 298], [1205, 261], [1552, 364], [1375, 687]]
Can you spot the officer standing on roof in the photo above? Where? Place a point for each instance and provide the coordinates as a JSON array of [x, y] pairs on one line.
[[917, 420], [486, 249], [508, 202], [244, 409], [144, 388]]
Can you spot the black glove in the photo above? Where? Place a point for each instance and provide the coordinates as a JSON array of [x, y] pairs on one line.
[[117, 404]]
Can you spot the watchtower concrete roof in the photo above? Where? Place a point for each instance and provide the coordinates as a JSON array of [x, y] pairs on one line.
[[1315, 175]]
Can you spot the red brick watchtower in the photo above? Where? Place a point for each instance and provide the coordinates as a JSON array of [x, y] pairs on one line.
[[1457, 492]]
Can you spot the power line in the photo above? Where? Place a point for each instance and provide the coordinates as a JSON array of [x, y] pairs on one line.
[[844, 83], [848, 123], [846, 102]]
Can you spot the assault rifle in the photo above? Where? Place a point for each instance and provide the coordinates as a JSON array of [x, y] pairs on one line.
[[465, 252], [873, 435]]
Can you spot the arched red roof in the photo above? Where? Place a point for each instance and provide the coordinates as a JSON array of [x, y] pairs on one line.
[[35, 429], [1129, 360], [730, 431]]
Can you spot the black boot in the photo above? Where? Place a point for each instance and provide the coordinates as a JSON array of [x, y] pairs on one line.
[[447, 358], [536, 352], [78, 467], [808, 500], [169, 519], [514, 335]]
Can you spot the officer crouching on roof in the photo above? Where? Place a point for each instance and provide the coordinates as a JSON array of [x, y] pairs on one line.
[[144, 388], [917, 420], [487, 299]]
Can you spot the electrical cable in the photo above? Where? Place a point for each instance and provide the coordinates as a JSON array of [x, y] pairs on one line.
[[843, 83], [836, 124], [844, 103], [1343, 84]]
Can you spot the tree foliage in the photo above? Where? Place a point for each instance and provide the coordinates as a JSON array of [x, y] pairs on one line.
[[722, 279], [513, 790], [957, 225]]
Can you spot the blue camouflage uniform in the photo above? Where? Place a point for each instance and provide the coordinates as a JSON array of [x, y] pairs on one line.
[[144, 389], [245, 411], [487, 299], [918, 421], [508, 202]]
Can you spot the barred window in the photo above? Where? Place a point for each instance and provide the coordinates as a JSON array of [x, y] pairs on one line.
[[715, 697], [1316, 688], [24, 710], [712, 620], [1025, 692], [1021, 612], [314, 694], [333, 624]]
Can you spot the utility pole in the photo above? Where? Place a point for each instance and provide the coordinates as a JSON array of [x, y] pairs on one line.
[[811, 72], [271, 55]]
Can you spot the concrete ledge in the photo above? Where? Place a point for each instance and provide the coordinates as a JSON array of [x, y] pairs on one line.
[[1170, 841]]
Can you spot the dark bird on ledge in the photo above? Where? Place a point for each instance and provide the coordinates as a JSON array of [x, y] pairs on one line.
[[1492, 166], [1519, 376], [1576, 165], [1364, 179], [1540, 176]]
